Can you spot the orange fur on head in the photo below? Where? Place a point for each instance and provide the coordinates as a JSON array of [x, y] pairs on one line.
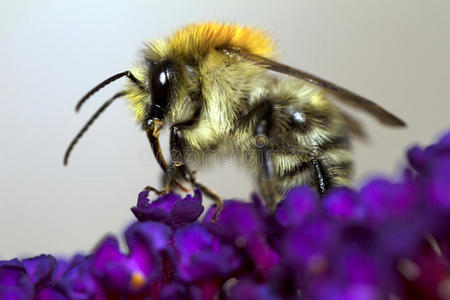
[[198, 39]]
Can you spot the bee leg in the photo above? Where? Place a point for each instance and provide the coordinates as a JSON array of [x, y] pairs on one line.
[[164, 191], [177, 144], [204, 189], [180, 169], [322, 181], [213, 195], [262, 135]]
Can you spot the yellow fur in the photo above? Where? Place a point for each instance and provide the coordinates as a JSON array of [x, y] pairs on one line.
[[135, 96]]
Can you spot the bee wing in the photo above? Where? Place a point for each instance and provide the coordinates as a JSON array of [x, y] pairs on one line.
[[343, 94]]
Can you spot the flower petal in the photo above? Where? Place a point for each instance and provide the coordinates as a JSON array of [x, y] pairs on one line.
[[203, 255], [300, 203], [15, 283]]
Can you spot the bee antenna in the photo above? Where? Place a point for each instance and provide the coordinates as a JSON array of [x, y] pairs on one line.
[[89, 123], [105, 83]]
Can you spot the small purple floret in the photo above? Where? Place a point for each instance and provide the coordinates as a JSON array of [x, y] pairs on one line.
[[300, 203], [170, 209], [204, 256], [15, 282]]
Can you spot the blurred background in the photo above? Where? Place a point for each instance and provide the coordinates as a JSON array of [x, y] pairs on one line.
[[52, 52]]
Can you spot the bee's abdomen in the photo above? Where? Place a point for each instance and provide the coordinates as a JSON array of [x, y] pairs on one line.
[[307, 139], [331, 167], [336, 161]]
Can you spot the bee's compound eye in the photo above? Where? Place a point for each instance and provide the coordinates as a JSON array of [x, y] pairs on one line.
[[161, 77]]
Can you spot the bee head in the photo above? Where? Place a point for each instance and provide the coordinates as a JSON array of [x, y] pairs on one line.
[[170, 96]]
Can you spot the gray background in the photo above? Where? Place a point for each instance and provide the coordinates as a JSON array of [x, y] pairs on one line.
[[52, 52]]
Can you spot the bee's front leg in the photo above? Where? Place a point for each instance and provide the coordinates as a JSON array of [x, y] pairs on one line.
[[158, 192], [179, 169]]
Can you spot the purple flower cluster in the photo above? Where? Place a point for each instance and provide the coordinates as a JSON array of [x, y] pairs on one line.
[[389, 240]]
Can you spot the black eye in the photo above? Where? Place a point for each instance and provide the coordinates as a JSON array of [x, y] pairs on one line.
[[161, 77]]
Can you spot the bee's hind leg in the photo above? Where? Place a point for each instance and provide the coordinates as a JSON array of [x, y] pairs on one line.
[[321, 178]]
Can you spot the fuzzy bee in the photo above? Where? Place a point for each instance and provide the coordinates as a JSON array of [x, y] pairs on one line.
[[215, 86]]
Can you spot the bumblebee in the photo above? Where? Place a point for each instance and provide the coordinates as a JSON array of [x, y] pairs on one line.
[[215, 86]]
